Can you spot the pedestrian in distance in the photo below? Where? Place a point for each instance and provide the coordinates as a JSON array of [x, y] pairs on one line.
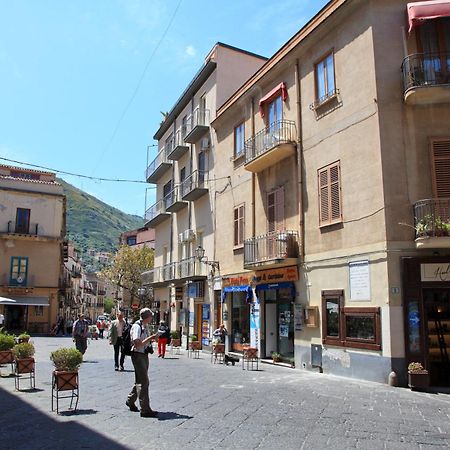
[[80, 333], [141, 340], [69, 325], [118, 327], [101, 328], [60, 326], [163, 338]]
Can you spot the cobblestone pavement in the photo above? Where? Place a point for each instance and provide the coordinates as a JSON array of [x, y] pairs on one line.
[[209, 406]]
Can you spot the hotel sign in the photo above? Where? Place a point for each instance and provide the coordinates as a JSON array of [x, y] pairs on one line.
[[435, 272]]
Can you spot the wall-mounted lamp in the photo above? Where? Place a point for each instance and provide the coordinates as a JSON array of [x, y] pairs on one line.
[[200, 255]]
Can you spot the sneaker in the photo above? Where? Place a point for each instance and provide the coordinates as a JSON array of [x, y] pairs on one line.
[[121, 368], [116, 369], [149, 413], [132, 406]]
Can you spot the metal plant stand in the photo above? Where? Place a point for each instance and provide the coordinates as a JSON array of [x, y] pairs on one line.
[[64, 388]]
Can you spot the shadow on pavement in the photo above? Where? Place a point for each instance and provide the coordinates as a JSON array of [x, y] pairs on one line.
[[27, 427], [167, 415], [90, 362], [79, 412]]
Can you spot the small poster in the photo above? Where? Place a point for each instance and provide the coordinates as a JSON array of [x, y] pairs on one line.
[[359, 276], [284, 331]]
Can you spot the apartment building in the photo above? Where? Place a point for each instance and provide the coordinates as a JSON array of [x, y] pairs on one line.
[[32, 229], [334, 220], [138, 238], [71, 285], [93, 293], [184, 174]]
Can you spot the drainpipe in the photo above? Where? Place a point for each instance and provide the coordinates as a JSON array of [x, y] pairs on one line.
[[252, 114], [301, 211]]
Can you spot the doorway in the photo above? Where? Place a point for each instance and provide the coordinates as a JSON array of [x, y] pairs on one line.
[[436, 304], [15, 319]]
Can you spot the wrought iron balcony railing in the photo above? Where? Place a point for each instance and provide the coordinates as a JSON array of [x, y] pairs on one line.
[[13, 227], [160, 160], [196, 180], [432, 217], [277, 245], [190, 267], [280, 132], [426, 69], [155, 210]]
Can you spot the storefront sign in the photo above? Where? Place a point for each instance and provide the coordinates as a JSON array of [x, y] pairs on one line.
[[238, 280], [435, 272], [276, 275], [359, 275]]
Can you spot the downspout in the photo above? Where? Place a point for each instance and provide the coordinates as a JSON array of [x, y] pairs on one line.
[[253, 207], [301, 211]]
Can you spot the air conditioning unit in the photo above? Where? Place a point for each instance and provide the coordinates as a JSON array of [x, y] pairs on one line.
[[188, 235], [205, 144]]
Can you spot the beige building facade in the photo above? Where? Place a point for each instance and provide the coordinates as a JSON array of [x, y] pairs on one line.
[[32, 229], [344, 167], [184, 174]]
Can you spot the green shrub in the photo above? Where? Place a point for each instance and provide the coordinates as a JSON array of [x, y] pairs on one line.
[[23, 350], [7, 341], [276, 356], [23, 335], [194, 337], [66, 359], [175, 334]]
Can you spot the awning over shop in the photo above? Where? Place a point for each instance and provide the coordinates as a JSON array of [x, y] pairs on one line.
[[282, 285], [30, 301], [245, 288], [280, 89], [421, 11]]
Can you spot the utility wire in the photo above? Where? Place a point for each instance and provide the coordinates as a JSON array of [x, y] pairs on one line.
[[136, 89]]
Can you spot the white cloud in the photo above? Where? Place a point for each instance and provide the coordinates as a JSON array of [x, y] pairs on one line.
[[190, 51]]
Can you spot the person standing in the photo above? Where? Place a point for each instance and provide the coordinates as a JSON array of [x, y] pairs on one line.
[[101, 327], [220, 334], [80, 332], [60, 326], [118, 326], [163, 338], [141, 339]]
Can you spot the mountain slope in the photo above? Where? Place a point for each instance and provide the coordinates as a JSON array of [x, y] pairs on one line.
[[92, 224]]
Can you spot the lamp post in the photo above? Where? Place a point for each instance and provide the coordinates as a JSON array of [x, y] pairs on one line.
[[200, 255]]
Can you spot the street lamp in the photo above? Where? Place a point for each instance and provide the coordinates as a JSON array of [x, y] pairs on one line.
[[200, 255]]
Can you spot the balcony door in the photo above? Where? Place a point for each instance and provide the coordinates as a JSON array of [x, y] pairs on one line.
[[275, 111], [167, 195], [22, 220], [201, 168]]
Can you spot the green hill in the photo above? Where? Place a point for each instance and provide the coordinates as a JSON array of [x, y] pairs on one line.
[[92, 224]]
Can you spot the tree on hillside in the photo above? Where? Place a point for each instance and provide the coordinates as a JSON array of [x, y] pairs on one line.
[[126, 268]]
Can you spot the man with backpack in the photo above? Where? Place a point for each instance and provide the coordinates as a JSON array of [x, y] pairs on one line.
[[163, 338], [141, 344], [116, 334]]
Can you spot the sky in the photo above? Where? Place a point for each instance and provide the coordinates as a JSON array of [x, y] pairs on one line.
[[83, 82]]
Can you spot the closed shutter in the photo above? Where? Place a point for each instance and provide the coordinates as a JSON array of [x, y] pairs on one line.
[[330, 210], [239, 225], [440, 154], [275, 210]]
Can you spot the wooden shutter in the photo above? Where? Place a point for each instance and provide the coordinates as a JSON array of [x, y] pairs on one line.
[[330, 210], [275, 210], [239, 225], [440, 155]]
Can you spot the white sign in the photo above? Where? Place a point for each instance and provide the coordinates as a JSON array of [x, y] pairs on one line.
[[359, 275], [435, 272]]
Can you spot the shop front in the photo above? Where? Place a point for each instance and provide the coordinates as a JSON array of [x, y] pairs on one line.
[[427, 316]]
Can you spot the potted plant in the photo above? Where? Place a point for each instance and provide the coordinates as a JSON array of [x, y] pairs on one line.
[[7, 342], [194, 343], [23, 337], [23, 356], [176, 341], [418, 377], [276, 357], [67, 361]]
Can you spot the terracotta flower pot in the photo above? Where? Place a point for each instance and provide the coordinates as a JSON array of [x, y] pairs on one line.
[[25, 365], [195, 345], [6, 357], [176, 342], [418, 380], [65, 381]]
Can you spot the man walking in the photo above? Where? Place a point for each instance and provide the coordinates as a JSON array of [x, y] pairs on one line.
[[80, 333], [118, 326], [141, 340]]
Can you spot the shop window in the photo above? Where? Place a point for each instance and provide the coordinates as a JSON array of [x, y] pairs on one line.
[[329, 181], [349, 326], [239, 225], [39, 311]]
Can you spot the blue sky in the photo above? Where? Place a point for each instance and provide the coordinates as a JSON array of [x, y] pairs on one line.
[[74, 92]]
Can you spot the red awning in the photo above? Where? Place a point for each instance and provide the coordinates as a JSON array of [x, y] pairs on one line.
[[281, 88], [421, 11]]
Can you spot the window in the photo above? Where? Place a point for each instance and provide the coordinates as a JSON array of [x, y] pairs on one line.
[[330, 210], [169, 143], [239, 140], [324, 75], [275, 210], [440, 156], [131, 240], [348, 326], [239, 225], [184, 127], [19, 271], [23, 220], [39, 311], [275, 112]]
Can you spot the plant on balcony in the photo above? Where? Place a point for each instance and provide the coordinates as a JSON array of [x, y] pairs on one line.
[[430, 225], [418, 377]]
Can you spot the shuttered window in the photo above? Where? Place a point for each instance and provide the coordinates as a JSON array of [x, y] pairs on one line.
[[330, 208], [239, 222], [440, 155], [275, 210]]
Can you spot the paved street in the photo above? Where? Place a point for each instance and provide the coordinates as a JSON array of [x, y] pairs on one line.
[[206, 406]]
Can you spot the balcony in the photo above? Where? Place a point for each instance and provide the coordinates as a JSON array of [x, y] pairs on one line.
[[159, 166], [191, 268], [432, 223], [159, 276], [274, 249], [194, 186], [179, 147], [270, 146], [173, 200], [198, 125], [13, 227], [156, 214], [426, 78]]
